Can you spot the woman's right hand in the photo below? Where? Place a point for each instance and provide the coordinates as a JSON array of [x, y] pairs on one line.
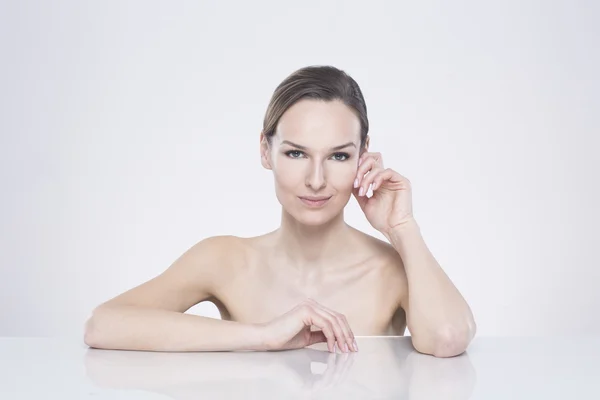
[[292, 329]]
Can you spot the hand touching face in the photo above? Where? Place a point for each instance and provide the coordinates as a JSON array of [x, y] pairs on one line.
[[314, 159]]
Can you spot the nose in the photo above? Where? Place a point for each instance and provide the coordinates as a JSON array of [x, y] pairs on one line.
[[316, 176]]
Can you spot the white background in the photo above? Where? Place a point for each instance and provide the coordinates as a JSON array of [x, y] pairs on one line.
[[130, 131]]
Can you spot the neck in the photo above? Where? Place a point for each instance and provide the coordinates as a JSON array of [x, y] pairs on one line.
[[309, 247]]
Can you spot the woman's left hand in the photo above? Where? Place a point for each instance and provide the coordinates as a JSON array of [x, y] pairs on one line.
[[391, 203]]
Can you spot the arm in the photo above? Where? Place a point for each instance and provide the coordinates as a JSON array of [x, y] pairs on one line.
[[438, 317], [151, 316], [137, 328]]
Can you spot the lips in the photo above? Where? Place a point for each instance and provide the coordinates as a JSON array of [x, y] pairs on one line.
[[314, 201], [315, 198]]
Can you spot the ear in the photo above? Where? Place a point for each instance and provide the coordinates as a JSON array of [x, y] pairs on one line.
[[265, 152], [366, 147]]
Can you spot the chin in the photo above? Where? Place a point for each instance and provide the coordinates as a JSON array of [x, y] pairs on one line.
[[310, 216], [313, 217], [313, 220]]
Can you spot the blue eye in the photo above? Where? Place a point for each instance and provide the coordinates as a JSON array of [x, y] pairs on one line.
[[336, 155], [287, 153], [346, 155]]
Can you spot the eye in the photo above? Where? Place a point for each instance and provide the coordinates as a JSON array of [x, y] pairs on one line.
[[345, 155], [288, 153], [336, 156]]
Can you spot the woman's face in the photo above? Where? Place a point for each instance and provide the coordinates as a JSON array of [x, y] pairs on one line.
[[314, 153]]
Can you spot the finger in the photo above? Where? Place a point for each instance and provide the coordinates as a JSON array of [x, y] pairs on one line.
[[348, 334], [375, 155], [340, 338], [364, 168], [335, 323], [394, 179], [364, 187], [315, 318], [381, 177], [317, 337], [346, 344], [362, 200]]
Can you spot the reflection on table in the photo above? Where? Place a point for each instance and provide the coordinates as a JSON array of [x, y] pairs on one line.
[[385, 367]]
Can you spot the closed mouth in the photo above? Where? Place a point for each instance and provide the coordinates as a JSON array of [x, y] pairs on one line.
[[315, 198]]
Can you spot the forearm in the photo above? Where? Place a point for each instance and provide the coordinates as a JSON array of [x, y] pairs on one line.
[[136, 328], [437, 310]]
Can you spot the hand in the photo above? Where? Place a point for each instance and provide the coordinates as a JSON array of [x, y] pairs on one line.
[[292, 329], [391, 202]]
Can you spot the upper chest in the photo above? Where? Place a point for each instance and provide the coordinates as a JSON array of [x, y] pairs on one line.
[[366, 293]]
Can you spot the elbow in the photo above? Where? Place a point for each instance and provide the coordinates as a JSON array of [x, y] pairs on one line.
[[445, 348], [452, 342], [448, 342], [90, 334]]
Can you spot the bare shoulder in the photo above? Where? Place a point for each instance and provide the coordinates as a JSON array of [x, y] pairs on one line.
[[383, 251], [195, 276], [216, 246], [211, 253], [385, 257], [219, 254], [233, 252]]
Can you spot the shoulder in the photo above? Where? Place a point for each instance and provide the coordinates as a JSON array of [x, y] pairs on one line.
[[218, 250], [216, 245], [212, 260], [391, 268], [383, 252], [229, 250]]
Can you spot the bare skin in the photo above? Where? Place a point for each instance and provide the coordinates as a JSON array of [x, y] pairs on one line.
[[255, 281], [365, 284], [315, 253], [258, 294]]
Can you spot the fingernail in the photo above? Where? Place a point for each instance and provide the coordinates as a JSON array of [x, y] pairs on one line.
[[356, 183], [346, 347], [355, 345], [360, 192], [359, 161]]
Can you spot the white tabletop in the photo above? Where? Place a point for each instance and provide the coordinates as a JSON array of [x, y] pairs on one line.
[[384, 368]]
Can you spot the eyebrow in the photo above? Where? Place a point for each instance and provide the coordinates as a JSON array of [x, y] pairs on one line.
[[305, 148]]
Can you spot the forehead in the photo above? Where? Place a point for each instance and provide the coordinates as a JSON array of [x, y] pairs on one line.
[[317, 121]]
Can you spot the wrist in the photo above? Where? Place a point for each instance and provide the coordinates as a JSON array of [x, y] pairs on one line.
[[401, 229], [258, 337]]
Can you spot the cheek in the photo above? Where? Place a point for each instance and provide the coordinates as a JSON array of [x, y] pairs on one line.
[[288, 175], [342, 176]]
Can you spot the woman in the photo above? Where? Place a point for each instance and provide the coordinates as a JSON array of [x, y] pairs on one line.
[[314, 279]]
